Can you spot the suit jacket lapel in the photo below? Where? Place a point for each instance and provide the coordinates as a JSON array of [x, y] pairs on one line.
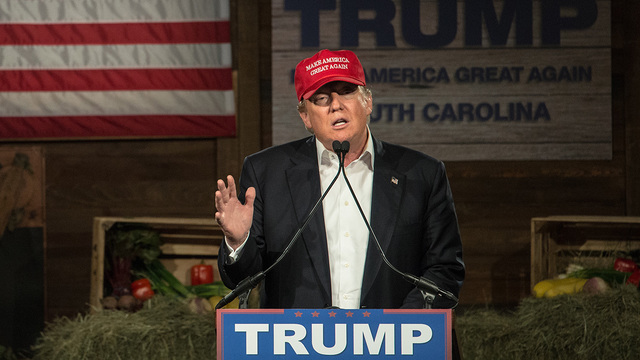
[[388, 187], [304, 186]]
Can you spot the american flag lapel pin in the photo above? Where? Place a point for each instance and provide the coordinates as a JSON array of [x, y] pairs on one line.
[[394, 180]]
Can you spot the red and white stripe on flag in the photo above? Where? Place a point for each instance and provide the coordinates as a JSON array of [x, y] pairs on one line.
[[117, 68]]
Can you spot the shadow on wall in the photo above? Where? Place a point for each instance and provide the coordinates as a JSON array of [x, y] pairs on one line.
[[510, 277]]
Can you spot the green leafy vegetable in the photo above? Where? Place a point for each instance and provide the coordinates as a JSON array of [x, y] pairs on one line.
[[126, 243]]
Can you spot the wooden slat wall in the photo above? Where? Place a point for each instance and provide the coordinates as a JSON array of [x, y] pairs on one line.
[[248, 18], [176, 178], [496, 200], [114, 178]]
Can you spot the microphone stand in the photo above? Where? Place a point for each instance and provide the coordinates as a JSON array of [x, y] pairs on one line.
[[245, 286], [427, 287]]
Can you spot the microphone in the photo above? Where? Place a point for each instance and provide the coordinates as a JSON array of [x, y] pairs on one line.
[[423, 284], [341, 149], [252, 281]]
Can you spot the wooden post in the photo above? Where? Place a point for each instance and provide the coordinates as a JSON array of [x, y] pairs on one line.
[[632, 105], [245, 16]]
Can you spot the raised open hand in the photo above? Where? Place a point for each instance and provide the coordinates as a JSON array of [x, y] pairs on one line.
[[234, 217]]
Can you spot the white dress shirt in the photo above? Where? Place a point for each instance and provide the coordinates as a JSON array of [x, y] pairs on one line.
[[347, 233]]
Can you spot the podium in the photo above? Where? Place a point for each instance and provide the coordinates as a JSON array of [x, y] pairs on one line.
[[335, 334]]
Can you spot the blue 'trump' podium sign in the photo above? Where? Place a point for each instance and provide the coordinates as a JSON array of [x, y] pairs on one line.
[[333, 334]]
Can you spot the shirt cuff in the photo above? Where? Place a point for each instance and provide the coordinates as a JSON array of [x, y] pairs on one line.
[[234, 254]]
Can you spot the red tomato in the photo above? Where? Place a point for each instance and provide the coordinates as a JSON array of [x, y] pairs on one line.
[[634, 279], [625, 265], [140, 283], [143, 293]]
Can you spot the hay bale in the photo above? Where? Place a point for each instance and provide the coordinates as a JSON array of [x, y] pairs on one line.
[[164, 329], [579, 326], [7, 353]]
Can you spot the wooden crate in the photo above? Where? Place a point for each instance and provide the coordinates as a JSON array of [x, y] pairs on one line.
[[187, 241], [593, 241]]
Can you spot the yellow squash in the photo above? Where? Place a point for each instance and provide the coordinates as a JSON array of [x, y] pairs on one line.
[[554, 287], [232, 305]]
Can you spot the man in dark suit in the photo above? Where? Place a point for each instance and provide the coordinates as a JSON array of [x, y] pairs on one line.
[[403, 193]]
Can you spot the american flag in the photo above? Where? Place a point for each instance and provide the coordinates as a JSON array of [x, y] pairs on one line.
[[115, 68]]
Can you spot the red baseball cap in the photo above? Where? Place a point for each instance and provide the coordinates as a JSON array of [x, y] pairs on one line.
[[326, 66]]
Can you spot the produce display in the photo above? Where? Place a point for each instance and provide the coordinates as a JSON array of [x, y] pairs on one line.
[[135, 274], [624, 270], [587, 313]]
